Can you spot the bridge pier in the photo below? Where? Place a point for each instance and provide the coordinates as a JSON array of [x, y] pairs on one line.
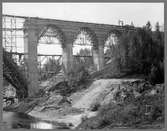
[[67, 57], [98, 56], [30, 49], [101, 56], [96, 59]]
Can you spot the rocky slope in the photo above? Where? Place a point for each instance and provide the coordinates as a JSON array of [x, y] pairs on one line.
[[83, 104], [79, 105]]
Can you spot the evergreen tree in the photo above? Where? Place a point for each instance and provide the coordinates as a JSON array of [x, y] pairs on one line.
[[142, 51]]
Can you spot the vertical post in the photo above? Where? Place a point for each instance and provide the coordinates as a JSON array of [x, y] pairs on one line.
[[67, 57], [30, 48]]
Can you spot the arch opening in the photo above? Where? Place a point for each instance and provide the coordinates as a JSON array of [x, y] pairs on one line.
[[50, 52], [110, 46], [83, 49]]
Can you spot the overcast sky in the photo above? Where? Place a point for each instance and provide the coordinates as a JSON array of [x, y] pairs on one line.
[[106, 13]]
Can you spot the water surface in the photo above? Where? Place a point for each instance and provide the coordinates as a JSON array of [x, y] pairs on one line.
[[17, 120]]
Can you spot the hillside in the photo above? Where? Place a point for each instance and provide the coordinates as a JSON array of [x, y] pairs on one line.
[[84, 104]]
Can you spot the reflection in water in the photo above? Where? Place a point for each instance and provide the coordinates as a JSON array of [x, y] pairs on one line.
[[42, 125], [17, 120]]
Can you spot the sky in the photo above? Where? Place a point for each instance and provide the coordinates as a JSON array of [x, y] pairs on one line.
[[106, 13]]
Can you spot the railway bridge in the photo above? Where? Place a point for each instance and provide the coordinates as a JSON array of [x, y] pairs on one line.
[[66, 31]]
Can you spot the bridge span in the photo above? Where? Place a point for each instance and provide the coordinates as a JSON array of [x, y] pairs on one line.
[[67, 31]]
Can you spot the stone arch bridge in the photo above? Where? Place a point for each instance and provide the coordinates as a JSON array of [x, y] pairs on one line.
[[34, 28]]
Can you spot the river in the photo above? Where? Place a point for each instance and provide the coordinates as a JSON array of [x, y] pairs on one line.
[[17, 120]]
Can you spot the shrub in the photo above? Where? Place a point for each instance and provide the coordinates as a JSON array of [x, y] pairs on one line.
[[130, 112], [156, 75], [50, 68], [114, 114], [75, 81], [78, 75]]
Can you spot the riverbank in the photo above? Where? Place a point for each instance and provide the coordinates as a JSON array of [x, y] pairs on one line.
[[83, 108]]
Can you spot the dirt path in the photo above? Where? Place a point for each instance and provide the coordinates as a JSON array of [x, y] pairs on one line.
[[96, 90]]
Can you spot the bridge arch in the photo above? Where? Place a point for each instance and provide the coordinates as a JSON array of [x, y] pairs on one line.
[[54, 31], [67, 30], [51, 38], [111, 41], [91, 34], [112, 33], [84, 44]]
